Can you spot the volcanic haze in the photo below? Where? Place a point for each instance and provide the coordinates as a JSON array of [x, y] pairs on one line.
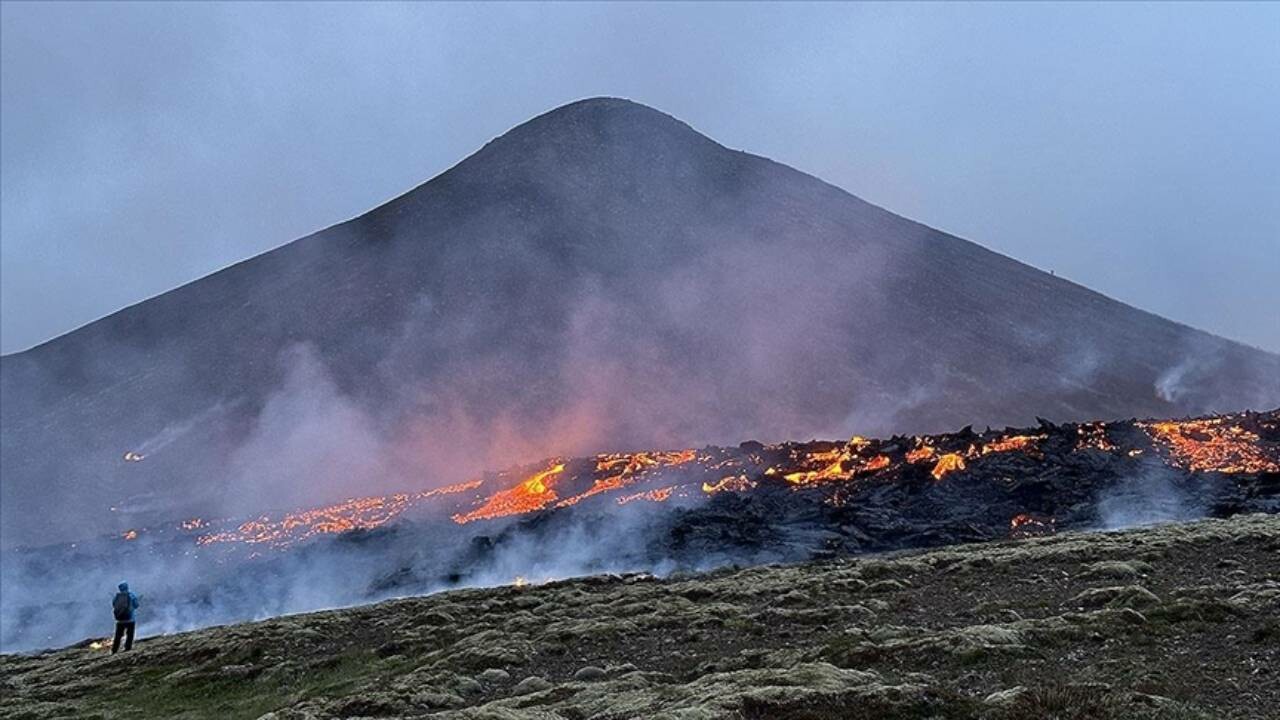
[[601, 277]]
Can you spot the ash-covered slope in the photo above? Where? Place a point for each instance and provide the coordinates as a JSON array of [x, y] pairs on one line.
[[600, 276]]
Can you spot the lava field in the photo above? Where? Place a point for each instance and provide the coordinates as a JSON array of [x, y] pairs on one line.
[[662, 512]]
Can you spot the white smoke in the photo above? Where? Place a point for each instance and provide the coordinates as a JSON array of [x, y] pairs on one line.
[[1150, 498]]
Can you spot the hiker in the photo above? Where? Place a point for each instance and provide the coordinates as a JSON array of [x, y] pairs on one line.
[[123, 606]]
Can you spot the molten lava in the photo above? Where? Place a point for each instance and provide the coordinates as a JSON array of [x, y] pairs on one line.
[[656, 495], [920, 454], [946, 464], [1245, 443], [534, 493], [1212, 444], [830, 467], [1012, 443], [354, 514]]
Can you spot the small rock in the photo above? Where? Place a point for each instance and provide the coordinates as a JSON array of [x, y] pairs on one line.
[[1004, 697], [438, 618], [531, 684], [1130, 615], [388, 649], [795, 597], [1130, 596], [1117, 570], [589, 674], [438, 700], [494, 675], [886, 586]]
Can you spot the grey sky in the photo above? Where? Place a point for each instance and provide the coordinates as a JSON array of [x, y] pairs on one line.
[[1132, 148]]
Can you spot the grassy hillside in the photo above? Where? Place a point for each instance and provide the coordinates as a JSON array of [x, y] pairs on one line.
[[1168, 622]]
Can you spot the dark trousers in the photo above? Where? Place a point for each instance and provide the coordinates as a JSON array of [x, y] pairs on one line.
[[125, 629]]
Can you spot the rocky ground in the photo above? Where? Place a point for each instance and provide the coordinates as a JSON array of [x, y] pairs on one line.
[[1177, 621]]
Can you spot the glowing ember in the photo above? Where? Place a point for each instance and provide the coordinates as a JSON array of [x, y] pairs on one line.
[[732, 483], [947, 464], [879, 462], [194, 524], [920, 454], [658, 495], [1094, 436], [1025, 525]]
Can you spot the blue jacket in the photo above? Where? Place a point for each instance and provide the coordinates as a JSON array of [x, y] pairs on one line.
[[133, 601]]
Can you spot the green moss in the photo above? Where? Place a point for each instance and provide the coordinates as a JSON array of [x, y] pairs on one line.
[[148, 694]]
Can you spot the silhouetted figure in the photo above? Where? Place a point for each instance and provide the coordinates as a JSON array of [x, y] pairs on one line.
[[123, 606]]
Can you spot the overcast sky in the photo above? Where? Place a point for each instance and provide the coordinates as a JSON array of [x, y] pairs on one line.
[[1132, 148]]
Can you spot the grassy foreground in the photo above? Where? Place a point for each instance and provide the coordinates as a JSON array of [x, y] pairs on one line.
[[1177, 621]]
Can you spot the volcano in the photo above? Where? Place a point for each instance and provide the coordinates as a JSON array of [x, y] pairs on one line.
[[600, 277]]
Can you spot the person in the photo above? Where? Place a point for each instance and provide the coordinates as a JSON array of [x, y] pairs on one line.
[[123, 606]]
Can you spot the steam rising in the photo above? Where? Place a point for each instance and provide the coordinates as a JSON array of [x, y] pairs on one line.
[[1152, 498]]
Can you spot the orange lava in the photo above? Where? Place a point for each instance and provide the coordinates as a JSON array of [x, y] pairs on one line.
[[828, 465], [1211, 445], [922, 453], [731, 483], [1224, 444], [947, 464], [628, 469], [1024, 525], [1020, 443], [354, 514], [657, 495], [1093, 436], [535, 493]]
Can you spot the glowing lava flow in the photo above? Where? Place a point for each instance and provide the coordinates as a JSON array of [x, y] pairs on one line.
[[353, 514], [627, 469], [1020, 443], [534, 493], [831, 466], [1211, 444], [1244, 443]]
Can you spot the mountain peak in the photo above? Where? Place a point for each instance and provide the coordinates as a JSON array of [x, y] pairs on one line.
[[599, 132], [603, 119]]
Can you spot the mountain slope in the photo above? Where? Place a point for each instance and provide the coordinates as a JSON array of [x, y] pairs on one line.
[[601, 276]]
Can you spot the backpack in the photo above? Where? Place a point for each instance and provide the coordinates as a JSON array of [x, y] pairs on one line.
[[122, 606]]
